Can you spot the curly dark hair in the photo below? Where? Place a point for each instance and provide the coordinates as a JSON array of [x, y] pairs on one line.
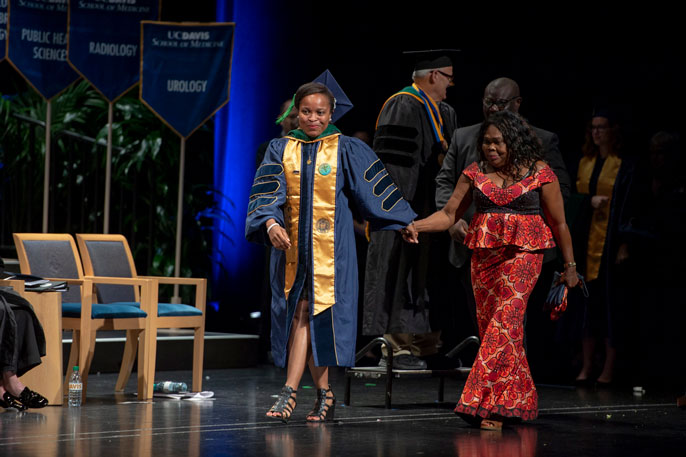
[[524, 148], [311, 89]]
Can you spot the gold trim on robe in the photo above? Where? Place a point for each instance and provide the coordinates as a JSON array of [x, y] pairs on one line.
[[601, 216], [323, 217], [323, 229], [291, 164]]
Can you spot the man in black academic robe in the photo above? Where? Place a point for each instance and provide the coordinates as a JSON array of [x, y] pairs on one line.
[[412, 137]]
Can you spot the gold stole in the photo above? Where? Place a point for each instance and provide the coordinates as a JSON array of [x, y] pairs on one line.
[[601, 216], [323, 217]]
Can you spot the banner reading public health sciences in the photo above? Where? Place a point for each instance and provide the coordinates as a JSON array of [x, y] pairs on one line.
[[185, 71], [105, 39], [3, 27], [37, 44]]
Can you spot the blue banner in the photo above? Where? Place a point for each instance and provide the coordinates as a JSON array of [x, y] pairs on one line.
[[105, 39], [3, 28], [185, 71], [37, 44]]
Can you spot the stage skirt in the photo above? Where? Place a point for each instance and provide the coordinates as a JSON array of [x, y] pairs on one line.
[[500, 381]]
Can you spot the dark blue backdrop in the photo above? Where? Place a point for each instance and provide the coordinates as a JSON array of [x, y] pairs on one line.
[[240, 127]]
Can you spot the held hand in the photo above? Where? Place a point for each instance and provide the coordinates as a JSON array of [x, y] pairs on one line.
[[458, 231], [599, 200], [410, 234], [279, 238]]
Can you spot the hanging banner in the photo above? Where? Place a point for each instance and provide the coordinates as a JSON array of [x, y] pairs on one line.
[[3, 28], [37, 44], [104, 41], [185, 71]]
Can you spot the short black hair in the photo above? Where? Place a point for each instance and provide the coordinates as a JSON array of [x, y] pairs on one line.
[[311, 89]]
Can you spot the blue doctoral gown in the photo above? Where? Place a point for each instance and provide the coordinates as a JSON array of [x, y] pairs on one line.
[[307, 186]]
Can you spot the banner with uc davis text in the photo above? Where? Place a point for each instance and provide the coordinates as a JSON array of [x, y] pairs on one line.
[[185, 71], [37, 44], [104, 42], [3, 28]]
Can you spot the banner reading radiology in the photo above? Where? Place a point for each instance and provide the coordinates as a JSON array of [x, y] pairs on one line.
[[37, 44], [3, 27], [104, 41], [185, 71]]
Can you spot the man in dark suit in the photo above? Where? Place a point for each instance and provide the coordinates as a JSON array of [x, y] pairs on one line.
[[500, 94]]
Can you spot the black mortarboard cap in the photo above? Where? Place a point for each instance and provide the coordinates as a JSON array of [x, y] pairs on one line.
[[606, 112], [342, 103], [433, 58]]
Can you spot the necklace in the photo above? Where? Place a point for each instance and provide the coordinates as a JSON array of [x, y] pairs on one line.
[[504, 178]]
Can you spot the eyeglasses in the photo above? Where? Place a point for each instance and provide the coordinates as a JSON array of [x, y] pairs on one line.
[[450, 78], [599, 127], [499, 102]]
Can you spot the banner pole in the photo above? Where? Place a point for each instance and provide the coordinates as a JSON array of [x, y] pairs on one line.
[[108, 169], [46, 174], [179, 220]]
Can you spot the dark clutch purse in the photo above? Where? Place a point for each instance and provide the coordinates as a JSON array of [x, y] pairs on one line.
[[556, 301]]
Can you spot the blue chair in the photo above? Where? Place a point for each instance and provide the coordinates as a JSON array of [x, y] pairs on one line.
[[110, 256], [55, 256]]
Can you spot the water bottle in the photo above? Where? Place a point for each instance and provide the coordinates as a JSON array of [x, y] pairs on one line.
[[170, 387], [75, 388]]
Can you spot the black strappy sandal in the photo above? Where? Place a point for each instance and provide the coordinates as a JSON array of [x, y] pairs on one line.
[[322, 410], [283, 404]]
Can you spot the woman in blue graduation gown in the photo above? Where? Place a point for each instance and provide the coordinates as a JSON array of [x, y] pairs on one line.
[[300, 205]]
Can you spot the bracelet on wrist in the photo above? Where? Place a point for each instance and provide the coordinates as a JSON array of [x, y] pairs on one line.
[[570, 264], [271, 226]]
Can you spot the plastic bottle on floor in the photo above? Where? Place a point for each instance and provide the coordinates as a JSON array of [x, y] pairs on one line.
[[75, 388], [170, 387]]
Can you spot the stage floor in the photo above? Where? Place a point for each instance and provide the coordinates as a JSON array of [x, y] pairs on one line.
[[572, 422]]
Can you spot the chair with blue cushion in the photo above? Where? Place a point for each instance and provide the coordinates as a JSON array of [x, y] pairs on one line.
[[110, 255], [54, 256]]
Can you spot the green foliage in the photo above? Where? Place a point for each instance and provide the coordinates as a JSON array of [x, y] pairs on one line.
[[145, 167]]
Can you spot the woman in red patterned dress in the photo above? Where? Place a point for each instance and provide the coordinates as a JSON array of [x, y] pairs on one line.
[[512, 189]]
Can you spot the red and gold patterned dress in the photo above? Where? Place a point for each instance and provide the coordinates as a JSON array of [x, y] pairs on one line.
[[508, 235]]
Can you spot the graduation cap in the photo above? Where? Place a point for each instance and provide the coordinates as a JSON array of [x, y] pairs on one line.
[[432, 59], [606, 112], [341, 102]]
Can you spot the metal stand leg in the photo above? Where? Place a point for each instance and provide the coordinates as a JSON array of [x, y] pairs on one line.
[[348, 381]]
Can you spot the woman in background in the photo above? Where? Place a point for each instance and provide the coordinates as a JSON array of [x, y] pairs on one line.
[[603, 179]]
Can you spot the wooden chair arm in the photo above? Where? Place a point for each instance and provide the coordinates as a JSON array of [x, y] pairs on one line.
[[199, 283], [115, 280], [16, 284], [148, 292], [72, 281], [175, 280]]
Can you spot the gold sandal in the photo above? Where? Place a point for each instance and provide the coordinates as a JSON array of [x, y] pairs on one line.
[[491, 424]]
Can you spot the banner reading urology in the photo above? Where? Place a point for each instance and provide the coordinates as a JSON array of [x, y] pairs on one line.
[[185, 71], [3, 27], [104, 41], [37, 44]]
